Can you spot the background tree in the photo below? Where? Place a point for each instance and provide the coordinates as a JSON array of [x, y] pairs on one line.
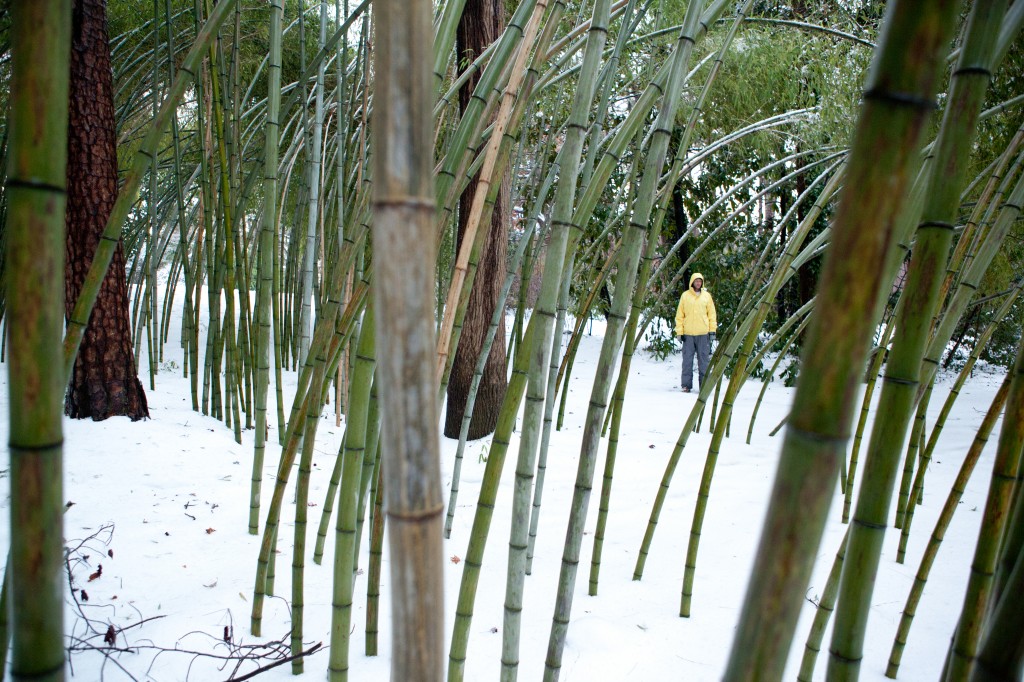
[[104, 382], [482, 22]]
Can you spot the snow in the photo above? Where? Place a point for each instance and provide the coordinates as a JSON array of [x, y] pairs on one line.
[[168, 497]]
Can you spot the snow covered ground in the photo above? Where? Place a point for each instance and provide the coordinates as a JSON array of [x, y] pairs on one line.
[[163, 506]]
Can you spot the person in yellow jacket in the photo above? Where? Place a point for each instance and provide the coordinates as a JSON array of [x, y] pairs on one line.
[[696, 324]]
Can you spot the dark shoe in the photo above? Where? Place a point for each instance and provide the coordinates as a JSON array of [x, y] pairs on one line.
[[685, 389]]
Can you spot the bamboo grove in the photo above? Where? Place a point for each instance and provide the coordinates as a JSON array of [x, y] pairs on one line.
[[271, 183]]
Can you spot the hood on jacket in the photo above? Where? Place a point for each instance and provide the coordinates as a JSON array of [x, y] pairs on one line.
[[694, 276]]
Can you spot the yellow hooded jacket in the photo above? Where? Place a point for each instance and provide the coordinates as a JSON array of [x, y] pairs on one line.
[[696, 312]]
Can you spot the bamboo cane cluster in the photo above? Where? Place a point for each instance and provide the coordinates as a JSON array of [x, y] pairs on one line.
[[301, 206]]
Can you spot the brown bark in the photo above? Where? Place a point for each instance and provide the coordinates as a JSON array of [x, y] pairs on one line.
[[481, 23], [104, 382], [807, 276]]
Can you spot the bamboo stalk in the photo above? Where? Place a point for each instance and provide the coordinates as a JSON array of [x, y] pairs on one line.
[[478, 372], [345, 546], [265, 266], [999, 652], [873, 372], [942, 524], [1002, 650], [622, 300], [771, 372], [902, 377], [745, 332], [1003, 497], [539, 355], [947, 406], [639, 294], [34, 253], [826, 605], [903, 80], [404, 214], [473, 558], [373, 572]]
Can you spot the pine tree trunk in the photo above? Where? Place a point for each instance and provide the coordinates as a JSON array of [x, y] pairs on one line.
[[104, 382], [482, 21]]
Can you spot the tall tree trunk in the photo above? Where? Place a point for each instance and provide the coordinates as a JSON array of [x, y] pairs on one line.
[[482, 21], [104, 382]]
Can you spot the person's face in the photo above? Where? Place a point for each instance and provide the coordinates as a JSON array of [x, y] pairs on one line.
[[698, 284]]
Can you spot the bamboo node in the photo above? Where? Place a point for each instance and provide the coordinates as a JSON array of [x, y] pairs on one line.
[[845, 659], [814, 437], [937, 224], [37, 448], [900, 381], [406, 202], [869, 524], [973, 71], [416, 515], [34, 185], [902, 99]]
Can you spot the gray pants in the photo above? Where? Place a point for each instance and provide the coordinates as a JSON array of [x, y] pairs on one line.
[[701, 345]]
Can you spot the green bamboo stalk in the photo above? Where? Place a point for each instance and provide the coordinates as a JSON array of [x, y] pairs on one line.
[[826, 605], [785, 268], [313, 210], [265, 267], [34, 253], [555, 372], [874, 371], [1008, 209], [1013, 540], [478, 371], [539, 357], [227, 266], [771, 373], [915, 450], [277, 320], [152, 334], [304, 395], [373, 570], [605, 80], [998, 653], [1002, 649], [371, 465], [903, 79], [983, 207], [624, 284], [341, 138], [444, 37], [745, 332], [312, 418], [639, 296], [348, 500], [942, 524], [970, 82], [473, 558], [947, 406]]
